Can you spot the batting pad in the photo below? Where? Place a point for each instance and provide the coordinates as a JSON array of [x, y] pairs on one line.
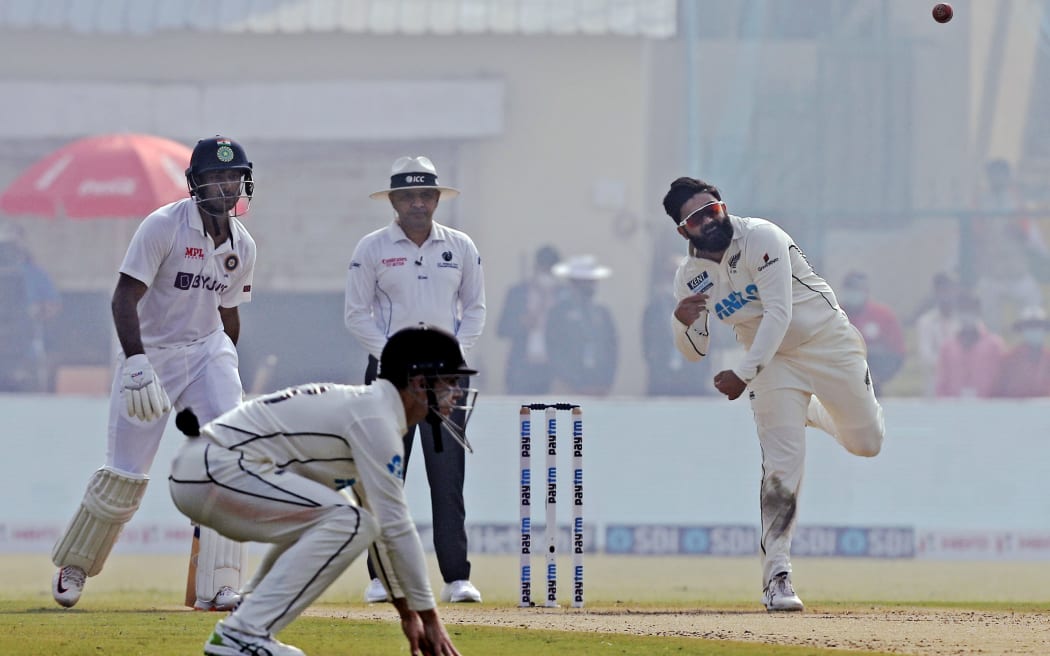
[[218, 564], [111, 499]]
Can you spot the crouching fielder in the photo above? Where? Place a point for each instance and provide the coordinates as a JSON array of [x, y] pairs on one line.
[[271, 471], [804, 366], [187, 269]]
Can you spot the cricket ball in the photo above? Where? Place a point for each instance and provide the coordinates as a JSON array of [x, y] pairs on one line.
[[942, 12]]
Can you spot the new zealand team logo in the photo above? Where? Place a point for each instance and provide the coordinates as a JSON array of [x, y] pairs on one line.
[[733, 261]]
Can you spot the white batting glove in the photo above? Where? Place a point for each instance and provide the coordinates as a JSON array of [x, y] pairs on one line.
[[146, 399]]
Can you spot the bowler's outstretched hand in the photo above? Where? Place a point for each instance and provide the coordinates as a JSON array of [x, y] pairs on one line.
[[729, 384]]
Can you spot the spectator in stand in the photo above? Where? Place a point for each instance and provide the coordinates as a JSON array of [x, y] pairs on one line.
[[1025, 370], [970, 360], [935, 325], [879, 325], [1008, 247], [28, 303], [581, 334], [524, 321]]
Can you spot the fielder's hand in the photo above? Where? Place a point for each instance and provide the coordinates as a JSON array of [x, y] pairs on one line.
[[146, 399], [729, 384]]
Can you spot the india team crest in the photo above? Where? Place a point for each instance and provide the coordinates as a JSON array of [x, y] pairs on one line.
[[231, 262], [225, 150]]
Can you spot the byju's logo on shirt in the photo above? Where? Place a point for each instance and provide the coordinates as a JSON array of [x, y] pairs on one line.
[[185, 280]]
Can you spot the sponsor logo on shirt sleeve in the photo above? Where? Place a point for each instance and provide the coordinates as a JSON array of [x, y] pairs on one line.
[[701, 283], [766, 262]]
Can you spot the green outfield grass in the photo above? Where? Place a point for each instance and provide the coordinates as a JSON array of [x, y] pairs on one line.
[[108, 628], [133, 606]]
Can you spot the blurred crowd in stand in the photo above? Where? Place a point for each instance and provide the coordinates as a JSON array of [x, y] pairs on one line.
[[980, 331], [29, 302]]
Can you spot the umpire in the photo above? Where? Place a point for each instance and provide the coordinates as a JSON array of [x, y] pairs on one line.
[[414, 271]]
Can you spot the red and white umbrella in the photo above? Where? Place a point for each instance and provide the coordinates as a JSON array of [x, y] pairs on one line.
[[108, 176]]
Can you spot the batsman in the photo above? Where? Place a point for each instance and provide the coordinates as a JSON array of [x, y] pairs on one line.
[[805, 364], [188, 267]]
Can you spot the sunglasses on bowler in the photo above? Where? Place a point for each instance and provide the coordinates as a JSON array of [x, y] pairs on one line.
[[716, 209]]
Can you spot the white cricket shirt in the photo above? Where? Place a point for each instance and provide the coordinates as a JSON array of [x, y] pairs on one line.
[[339, 436], [187, 276], [393, 284], [764, 287]]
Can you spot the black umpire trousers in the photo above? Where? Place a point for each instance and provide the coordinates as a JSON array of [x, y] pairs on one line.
[[445, 473]]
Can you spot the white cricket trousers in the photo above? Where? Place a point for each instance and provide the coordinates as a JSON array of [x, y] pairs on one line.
[[202, 376], [316, 532], [823, 383]]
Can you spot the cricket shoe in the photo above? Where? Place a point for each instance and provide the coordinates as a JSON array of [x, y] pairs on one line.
[[460, 591], [67, 584], [226, 599], [225, 641], [375, 592], [779, 594]]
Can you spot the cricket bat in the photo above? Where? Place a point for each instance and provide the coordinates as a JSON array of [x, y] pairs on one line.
[[191, 574]]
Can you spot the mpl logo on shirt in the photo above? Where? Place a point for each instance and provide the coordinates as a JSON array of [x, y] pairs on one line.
[[194, 253]]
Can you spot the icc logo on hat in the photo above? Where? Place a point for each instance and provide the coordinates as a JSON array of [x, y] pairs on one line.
[[414, 173]]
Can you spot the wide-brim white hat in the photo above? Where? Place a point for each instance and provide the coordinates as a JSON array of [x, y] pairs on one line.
[[414, 173], [1032, 316], [581, 267]]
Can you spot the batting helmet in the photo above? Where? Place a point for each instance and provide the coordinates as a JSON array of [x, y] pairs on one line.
[[422, 350], [217, 154]]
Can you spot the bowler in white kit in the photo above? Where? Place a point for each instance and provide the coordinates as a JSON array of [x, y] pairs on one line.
[[804, 364], [187, 269], [271, 471]]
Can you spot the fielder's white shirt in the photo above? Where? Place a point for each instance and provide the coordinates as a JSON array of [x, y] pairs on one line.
[[187, 276], [764, 288], [393, 284], [339, 436]]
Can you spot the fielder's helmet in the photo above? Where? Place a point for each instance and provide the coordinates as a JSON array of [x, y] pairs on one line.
[[216, 154], [422, 350]]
